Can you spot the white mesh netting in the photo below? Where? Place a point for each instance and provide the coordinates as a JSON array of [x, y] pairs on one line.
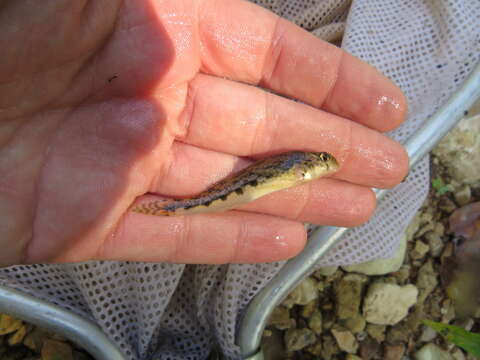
[[167, 311]]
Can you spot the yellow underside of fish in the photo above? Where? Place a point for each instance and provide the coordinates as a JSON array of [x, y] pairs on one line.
[[257, 180]]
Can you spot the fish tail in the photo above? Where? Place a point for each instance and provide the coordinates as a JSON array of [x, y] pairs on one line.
[[156, 208]]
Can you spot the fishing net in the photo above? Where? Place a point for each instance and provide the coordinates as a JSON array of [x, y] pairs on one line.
[[168, 311]]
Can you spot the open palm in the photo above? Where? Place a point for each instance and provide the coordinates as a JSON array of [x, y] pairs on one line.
[[102, 102]]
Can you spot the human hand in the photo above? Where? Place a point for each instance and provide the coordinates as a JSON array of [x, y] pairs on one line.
[[104, 101]]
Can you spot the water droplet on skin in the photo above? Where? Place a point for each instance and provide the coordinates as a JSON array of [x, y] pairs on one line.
[[281, 241], [386, 100]]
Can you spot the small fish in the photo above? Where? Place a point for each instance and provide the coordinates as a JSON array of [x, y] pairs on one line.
[[259, 179]]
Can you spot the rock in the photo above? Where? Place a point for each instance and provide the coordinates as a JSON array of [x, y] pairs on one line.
[[280, 318], [315, 349], [297, 339], [426, 217], [34, 340], [335, 277], [403, 274], [328, 320], [315, 322], [428, 334], [414, 319], [381, 266], [413, 227], [361, 336], [77, 355], [370, 349], [435, 243], [439, 229], [446, 205], [394, 352], [377, 332], [330, 347], [272, 347], [325, 271], [308, 309], [56, 350], [352, 357], [18, 336], [432, 352], [348, 293], [419, 251], [463, 196], [355, 324], [457, 354], [466, 323], [387, 304], [426, 281], [459, 150], [9, 324], [447, 311], [398, 334], [424, 229], [303, 294], [345, 340]]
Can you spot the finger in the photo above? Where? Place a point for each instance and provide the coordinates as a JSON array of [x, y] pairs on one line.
[[323, 202], [232, 237], [261, 48], [249, 121], [326, 201]]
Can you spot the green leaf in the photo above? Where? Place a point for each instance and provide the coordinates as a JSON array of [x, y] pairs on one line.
[[467, 340], [440, 186], [437, 183]]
